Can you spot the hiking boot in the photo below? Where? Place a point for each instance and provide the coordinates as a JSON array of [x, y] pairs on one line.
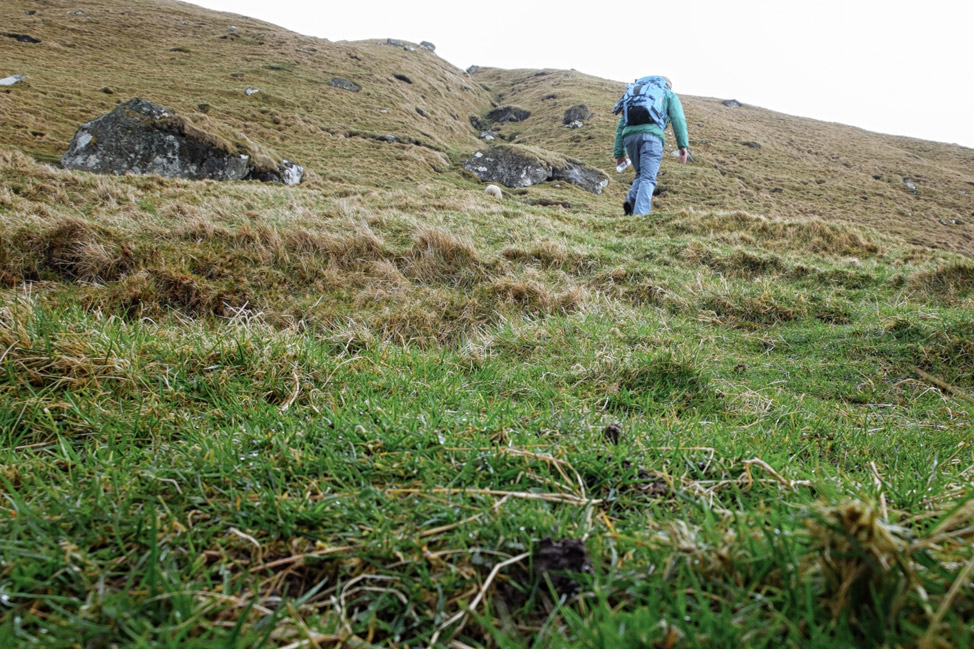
[[627, 208]]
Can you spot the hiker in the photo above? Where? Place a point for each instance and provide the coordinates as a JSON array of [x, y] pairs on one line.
[[644, 111]]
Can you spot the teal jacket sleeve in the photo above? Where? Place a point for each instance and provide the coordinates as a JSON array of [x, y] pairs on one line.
[[618, 150], [678, 120]]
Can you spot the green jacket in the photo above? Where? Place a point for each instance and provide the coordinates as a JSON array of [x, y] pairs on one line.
[[674, 110]]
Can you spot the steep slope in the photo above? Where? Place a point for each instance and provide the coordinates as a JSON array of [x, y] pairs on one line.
[[411, 118], [191, 60], [767, 163]]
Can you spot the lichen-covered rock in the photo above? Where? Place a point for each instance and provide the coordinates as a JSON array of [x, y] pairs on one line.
[[144, 138], [516, 166], [508, 166]]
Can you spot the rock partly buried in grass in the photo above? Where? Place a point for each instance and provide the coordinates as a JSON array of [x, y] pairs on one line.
[[21, 38], [11, 81], [521, 166], [144, 138], [587, 178], [345, 84]]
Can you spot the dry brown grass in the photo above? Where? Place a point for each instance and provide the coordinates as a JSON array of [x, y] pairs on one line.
[[441, 257], [68, 249], [529, 293], [814, 236], [806, 171], [952, 282]]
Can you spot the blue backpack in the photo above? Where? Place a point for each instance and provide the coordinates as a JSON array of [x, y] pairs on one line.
[[644, 103]]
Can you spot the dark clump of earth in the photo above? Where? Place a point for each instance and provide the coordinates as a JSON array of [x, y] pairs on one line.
[[557, 561]]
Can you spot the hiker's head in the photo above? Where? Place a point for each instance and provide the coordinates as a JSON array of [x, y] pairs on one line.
[[669, 84]]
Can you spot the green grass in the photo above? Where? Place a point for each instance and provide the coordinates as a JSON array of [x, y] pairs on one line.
[[190, 483]]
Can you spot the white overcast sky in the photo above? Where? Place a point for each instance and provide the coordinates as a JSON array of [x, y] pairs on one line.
[[891, 66]]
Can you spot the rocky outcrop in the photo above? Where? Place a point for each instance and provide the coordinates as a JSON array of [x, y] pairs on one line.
[[144, 138], [508, 114], [479, 124], [21, 38], [516, 166], [579, 113]]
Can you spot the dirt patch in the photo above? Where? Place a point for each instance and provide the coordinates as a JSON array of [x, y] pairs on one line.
[[557, 561]]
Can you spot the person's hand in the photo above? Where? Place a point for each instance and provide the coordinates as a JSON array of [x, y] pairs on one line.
[[684, 156], [619, 161]]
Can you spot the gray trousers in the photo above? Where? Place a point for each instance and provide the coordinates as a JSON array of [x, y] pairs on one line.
[[646, 153]]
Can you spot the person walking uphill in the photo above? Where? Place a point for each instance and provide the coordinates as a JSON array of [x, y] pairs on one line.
[[644, 112]]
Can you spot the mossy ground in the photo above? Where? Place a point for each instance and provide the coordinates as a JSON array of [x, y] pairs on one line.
[[347, 413]]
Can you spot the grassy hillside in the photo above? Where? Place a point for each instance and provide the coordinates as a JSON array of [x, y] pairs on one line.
[[350, 413]]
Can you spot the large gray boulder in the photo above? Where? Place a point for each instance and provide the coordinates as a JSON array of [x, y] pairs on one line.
[[144, 138], [517, 166], [579, 113], [509, 166], [508, 114]]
